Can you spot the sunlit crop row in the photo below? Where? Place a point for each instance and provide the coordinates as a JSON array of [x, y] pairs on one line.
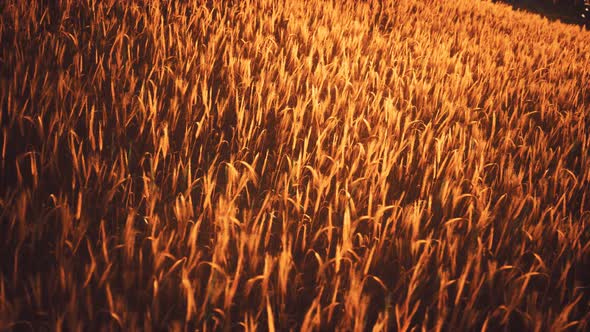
[[292, 165]]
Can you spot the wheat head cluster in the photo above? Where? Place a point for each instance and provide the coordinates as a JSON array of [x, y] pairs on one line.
[[292, 165]]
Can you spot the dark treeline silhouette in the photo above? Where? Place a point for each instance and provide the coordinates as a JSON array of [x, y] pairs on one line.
[[568, 11]]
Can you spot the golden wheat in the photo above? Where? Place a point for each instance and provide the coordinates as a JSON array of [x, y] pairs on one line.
[[292, 165]]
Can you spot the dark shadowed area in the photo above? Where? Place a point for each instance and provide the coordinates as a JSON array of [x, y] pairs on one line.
[[566, 11]]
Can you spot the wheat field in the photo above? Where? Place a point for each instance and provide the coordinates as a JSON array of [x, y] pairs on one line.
[[292, 165]]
